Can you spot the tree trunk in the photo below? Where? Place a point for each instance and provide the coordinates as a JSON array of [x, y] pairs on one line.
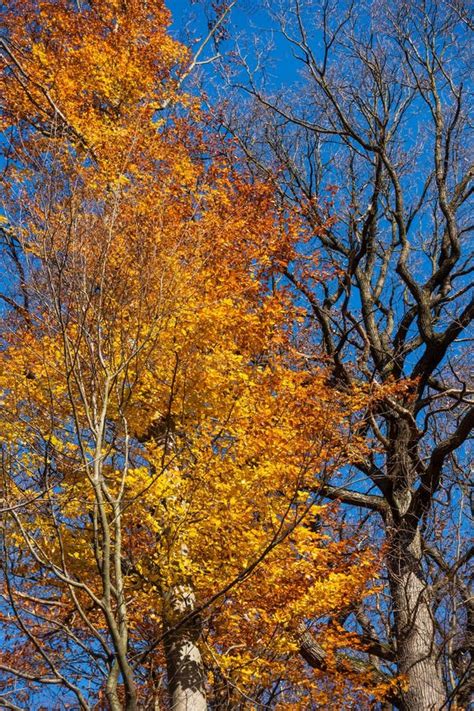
[[417, 652], [186, 676]]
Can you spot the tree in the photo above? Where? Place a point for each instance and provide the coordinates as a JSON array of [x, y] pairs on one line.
[[162, 438], [375, 130]]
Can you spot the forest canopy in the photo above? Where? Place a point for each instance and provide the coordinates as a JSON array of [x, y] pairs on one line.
[[234, 395]]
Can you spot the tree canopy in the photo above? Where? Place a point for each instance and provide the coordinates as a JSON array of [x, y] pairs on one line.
[[184, 402]]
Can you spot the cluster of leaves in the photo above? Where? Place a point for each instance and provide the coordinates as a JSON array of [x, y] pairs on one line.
[[159, 430]]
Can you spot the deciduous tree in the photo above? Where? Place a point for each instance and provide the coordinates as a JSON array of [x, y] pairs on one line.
[[374, 126], [162, 438]]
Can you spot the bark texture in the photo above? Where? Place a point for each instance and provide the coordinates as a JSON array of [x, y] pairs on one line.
[[417, 652], [186, 675]]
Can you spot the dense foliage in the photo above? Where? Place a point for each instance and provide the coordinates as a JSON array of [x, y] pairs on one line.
[[163, 431]]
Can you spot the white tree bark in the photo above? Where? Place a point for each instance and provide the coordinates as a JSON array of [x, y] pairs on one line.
[[186, 677]]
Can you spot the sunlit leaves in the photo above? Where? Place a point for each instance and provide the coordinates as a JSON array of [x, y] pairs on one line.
[[159, 426]]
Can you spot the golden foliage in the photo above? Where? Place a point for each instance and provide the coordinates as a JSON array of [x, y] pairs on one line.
[[158, 427]]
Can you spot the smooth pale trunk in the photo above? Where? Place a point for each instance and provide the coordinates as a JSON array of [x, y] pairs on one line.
[[186, 676]]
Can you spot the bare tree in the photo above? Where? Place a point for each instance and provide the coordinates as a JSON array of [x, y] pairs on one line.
[[379, 109]]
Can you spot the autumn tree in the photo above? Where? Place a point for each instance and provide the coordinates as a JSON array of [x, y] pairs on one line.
[[163, 440], [370, 123]]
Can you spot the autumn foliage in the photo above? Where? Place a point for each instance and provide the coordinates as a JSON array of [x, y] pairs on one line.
[[163, 436]]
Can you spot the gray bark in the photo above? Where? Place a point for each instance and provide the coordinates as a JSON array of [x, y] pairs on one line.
[[417, 652], [186, 676]]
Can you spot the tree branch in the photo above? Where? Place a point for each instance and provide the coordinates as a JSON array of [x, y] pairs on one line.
[[345, 496], [432, 475]]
